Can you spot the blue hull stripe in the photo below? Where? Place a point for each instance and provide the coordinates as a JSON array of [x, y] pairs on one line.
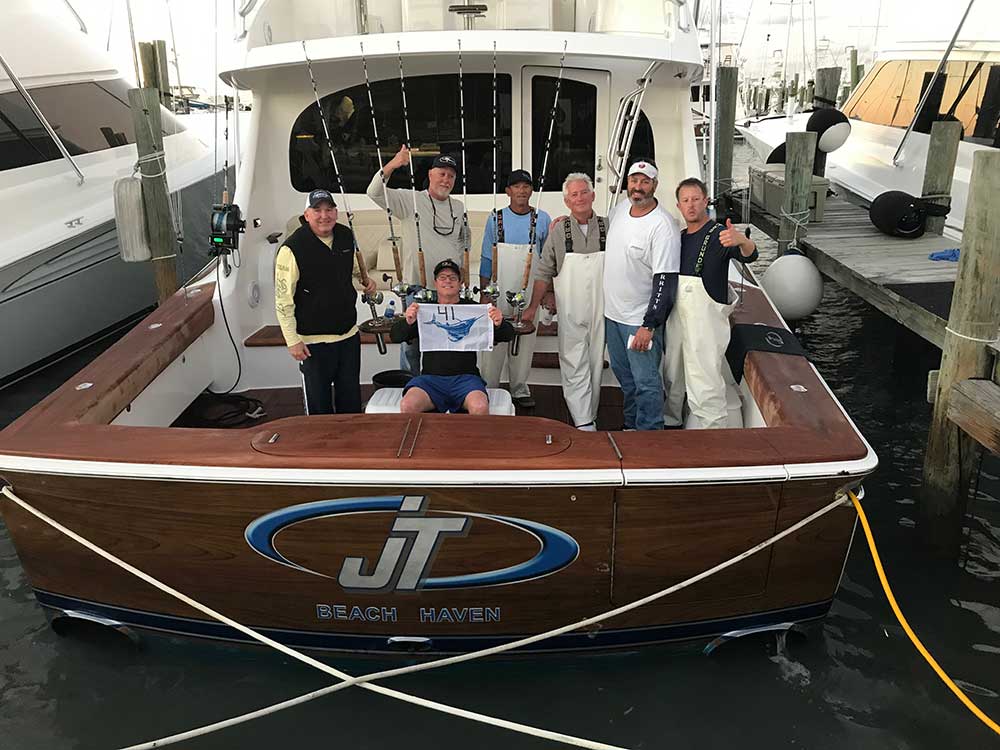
[[440, 643]]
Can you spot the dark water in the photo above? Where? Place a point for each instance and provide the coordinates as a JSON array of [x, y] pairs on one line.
[[854, 682]]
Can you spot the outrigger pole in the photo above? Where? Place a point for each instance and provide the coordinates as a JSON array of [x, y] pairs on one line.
[[377, 322], [423, 294], [399, 288], [519, 299], [466, 292], [493, 290]]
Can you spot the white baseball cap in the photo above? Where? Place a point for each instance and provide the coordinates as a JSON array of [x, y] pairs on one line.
[[643, 167]]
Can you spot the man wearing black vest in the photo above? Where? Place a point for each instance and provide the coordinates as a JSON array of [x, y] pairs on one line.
[[315, 302]]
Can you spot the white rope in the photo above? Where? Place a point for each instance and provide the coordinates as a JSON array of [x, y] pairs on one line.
[[493, 651], [155, 156], [288, 651], [799, 219], [978, 340]]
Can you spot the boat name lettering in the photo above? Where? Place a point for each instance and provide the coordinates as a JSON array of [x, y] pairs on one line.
[[407, 556], [356, 613]]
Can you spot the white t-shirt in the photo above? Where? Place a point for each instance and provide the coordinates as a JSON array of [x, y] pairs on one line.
[[637, 248]]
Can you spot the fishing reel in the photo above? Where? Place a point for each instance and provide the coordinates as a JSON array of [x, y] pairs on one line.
[[517, 300], [467, 294], [424, 294], [227, 226], [400, 289], [375, 298], [491, 290]]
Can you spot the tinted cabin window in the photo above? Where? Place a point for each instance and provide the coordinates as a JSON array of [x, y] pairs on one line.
[[87, 117], [574, 136], [875, 101], [642, 145], [432, 105]]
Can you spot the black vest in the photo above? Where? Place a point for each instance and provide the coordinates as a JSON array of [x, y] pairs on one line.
[[325, 298]]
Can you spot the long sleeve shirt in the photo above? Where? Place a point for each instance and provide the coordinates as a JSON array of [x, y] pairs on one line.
[[441, 228], [516, 231], [286, 279], [586, 239]]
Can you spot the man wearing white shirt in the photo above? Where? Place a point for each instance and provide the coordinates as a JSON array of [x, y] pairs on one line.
[[640, 286]]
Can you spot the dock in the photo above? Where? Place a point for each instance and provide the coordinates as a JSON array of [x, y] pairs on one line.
[[892, 274]]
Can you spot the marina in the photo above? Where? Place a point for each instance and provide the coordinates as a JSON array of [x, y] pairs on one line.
[[174, 489]]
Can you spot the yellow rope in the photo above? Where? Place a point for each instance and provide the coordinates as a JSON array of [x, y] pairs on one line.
[[980, 714]]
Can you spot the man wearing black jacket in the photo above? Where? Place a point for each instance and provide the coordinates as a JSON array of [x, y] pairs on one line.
[[449, 381], [315, 302]]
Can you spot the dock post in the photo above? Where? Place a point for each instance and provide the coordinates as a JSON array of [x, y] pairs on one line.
[[725, 126], [145, 105], [855, 75], [163, 73], [940, 169], [827, 88], [799, 155], [974, 319], [147, 60]]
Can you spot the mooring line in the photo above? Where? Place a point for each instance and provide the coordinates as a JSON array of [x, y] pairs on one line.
[[365, 680], [298, 655]]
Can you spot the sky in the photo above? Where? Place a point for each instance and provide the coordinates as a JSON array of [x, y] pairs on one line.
[[841, 23]]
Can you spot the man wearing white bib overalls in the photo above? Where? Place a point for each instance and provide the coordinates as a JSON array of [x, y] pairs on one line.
[[570, 281], [514, 231], [698, 327]]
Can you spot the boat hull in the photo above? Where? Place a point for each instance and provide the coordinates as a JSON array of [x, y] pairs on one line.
[[432, 568]]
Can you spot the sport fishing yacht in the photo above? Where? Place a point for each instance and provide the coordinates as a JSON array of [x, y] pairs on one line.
[[294, 524], [883, 107], [62, 281]]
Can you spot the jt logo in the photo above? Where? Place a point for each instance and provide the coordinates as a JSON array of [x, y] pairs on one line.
[[408, 552]]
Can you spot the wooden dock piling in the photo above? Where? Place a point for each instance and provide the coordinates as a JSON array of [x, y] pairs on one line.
[[853, 70], [973, 322], [800, 152], [942, 152], [727, 80], [145, 105], [827, 87]]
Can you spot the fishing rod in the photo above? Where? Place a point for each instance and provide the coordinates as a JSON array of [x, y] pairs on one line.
[[423, 294], [492, 290], [400, 289], [466, 292], [519, 299], [377, 324]]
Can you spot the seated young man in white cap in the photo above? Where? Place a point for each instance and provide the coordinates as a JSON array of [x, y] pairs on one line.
[[640, 285], [316, 305], [449, 381]]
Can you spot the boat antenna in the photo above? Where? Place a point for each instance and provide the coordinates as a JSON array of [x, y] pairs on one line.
[[131, 34], [466, 292], [362, 266], [399, 288], [423, 294], [492, 290]]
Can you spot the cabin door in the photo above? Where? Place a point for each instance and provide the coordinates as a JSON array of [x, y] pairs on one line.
[[580, 133]]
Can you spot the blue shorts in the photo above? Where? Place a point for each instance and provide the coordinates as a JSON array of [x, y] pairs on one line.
[[447, 392]]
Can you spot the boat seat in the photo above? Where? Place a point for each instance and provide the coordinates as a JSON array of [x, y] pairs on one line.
[[386, 401]]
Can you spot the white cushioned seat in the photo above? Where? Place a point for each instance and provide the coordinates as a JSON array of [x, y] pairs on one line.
[[386, 401]]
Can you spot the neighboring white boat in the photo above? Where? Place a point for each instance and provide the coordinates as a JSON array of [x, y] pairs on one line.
[[62, 281], [883, 106]]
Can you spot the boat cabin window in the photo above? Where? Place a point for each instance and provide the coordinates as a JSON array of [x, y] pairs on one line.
[[89, 116], [967, 91], [435, 128], [642, 145], [574, 135]]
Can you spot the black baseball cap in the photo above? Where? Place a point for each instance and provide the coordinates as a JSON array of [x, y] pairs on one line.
[[320, 196], [447, 265], [446, 162], [519, 175]]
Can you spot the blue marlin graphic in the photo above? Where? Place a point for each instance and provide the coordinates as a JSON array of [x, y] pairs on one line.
[[458, 330]]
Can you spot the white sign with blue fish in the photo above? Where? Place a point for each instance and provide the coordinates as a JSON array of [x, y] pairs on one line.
[[455, 328]]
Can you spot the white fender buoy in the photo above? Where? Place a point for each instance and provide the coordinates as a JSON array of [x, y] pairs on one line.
[[794, 285], [130, 218], [831, 127]]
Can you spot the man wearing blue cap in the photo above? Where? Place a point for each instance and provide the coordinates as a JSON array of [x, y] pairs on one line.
[[316, 305], [515, 232]]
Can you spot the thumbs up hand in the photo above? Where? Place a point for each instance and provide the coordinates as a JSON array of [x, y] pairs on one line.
[[730, 236]]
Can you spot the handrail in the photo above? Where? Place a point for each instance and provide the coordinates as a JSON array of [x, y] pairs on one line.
[[38, 113], [247, 8], [930, 86], [680, 4], [632, 99]]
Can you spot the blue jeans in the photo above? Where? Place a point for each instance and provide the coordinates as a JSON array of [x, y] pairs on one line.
[[639, 375]]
